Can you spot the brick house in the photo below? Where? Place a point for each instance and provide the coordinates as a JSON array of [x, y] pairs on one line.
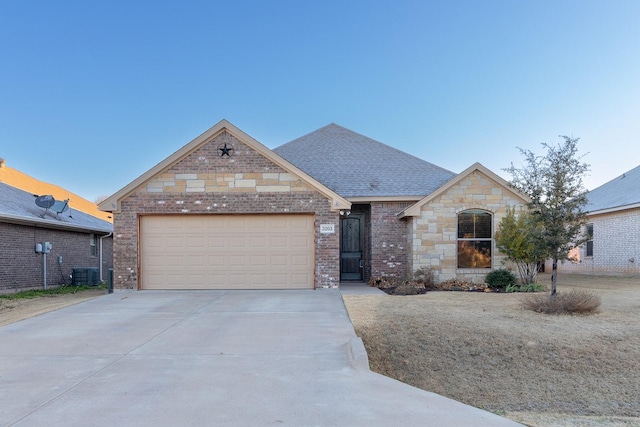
[[613, 212], [224, 211], [78, 240]]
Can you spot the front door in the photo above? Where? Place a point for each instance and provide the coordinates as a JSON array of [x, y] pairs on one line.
[[351, 244]]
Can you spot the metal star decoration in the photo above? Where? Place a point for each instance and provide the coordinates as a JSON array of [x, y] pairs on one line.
[[225, 150]]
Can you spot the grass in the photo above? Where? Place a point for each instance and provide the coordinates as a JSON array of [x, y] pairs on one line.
[[485, 350], [61, 290]]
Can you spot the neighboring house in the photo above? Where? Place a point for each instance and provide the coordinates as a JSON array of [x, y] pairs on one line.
[[78, 240], [613, 229], [27, 183], [225, 212]]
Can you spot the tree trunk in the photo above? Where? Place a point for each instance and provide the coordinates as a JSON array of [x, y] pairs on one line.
[[554, 275]]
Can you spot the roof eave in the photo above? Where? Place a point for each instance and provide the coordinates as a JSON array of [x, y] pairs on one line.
[[367, 199], [614, 209], [21, 220]]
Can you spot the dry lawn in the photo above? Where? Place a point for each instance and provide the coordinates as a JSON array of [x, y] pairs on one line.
[[486, 351], [15, 310]]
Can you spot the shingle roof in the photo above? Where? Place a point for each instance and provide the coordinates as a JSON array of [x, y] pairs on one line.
[[617, 193], [27, 183], [354, 165], [19, 206]]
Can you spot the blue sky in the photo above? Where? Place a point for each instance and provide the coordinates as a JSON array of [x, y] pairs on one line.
[[92, 94]]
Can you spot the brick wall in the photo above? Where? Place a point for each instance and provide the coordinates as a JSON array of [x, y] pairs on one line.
[[22, 268], [616, 246], [434, 232], [205, 183], [389, 241]]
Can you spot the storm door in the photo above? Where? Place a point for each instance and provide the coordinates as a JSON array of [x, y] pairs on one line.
[[351, 246]]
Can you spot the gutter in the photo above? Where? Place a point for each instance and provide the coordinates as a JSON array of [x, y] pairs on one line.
[[102, 237], [56, 225], [614, 209]]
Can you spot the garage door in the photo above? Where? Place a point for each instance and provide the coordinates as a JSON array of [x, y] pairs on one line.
[[227, 252]]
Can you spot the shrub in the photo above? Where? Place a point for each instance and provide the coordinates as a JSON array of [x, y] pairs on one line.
[[460, 285], [531, 287], [424, 275], [384, 282], [572, 302], [500, 279], [409, 288], [396, 286]]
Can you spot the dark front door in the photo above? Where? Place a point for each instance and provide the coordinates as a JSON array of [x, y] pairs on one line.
[[351, 243]]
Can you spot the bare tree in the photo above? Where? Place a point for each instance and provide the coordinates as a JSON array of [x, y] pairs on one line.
[[554, 183], [101, 198]]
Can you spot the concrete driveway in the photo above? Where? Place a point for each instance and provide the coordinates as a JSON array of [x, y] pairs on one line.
[[205, 358]]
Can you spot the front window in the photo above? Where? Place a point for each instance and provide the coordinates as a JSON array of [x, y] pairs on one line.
[[474, 239]]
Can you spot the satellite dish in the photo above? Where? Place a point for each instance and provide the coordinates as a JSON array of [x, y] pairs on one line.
[[45, 201], [60, 206]]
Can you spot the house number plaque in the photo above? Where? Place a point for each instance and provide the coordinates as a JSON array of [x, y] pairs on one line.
[[327, 228]]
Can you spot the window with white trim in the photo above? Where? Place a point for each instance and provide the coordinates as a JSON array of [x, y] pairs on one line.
[[92, 245], [475, 239]]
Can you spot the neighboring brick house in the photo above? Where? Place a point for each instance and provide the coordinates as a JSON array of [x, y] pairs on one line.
[[226, 212], [613, 228], [78, 240]]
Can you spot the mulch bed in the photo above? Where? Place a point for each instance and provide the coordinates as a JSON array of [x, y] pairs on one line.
[[393, 286]]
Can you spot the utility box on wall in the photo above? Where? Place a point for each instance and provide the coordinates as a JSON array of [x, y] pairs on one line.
[[85, 276]]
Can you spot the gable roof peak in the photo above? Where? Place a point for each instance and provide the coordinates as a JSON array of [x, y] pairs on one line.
[[112, 203], [414, 210]]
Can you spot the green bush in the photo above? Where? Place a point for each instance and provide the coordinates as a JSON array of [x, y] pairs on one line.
[[500, 279]]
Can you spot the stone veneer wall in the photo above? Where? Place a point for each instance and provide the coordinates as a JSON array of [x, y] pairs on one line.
[[434, 232], [390, 247], [616, 246], [205, 183]]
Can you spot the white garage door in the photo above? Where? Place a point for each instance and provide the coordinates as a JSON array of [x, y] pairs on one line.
[[227, 252]]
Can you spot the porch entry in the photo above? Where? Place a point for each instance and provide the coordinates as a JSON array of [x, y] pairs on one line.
[[352, 246]]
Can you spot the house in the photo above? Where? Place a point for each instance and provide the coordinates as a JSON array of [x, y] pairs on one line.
[[224, 211], [613, 228], [27, 183], [77, 240]]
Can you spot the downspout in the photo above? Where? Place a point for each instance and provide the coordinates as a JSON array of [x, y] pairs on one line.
[[106, 235]]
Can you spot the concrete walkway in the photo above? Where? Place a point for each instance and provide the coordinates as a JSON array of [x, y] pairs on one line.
[[205, 358], [359, 288]]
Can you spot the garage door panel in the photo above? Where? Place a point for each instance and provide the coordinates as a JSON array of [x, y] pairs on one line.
[[279, 242], [195, 243], [194, 261], [237, 242], [261, 242], [215, 242], [227, 252], [216, 260], [174, 241], [300, 241], [258, 261]]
